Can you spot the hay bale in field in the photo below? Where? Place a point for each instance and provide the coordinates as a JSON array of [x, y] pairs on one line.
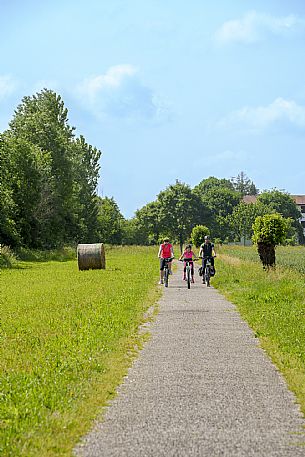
[[91, 256]]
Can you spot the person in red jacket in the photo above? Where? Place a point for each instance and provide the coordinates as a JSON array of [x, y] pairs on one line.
[[165, 252]]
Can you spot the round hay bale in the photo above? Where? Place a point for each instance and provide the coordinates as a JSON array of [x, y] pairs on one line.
[[91, 256]]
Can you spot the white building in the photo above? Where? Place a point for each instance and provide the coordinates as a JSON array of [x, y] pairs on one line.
[[300, 202]]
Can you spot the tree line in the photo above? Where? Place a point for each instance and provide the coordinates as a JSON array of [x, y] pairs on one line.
[[48, 197], [218, 205]]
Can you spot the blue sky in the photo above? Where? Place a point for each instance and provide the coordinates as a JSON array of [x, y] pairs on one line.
[[167, 89]]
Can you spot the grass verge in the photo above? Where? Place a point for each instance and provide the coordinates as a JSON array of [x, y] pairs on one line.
[[67, 339], [273, 304]]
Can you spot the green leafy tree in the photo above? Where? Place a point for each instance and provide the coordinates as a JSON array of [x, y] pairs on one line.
[[110, 221], [219, 196], [149, 220], [243, 216], [211, 183], [244, 185], [180, 210], [42, 120], [269, 231], [282, 202], [28, 168], [198, 234], [61, 172], [85, 168], [8, 231], [133, 233]]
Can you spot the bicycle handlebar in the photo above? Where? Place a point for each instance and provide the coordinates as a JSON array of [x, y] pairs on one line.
[[188, 260]]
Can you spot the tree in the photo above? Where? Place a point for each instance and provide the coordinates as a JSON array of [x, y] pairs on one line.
[[180, 210], [55, 174], [269, 231], [282, 202], [8, 231], [85, 169], [41, 120], [211, 183], [244, 185], [149, 219], [133, 233], [198, 234], [219, 196], [243, 216], [110, 221]]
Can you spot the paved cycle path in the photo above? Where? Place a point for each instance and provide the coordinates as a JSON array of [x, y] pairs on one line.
[[200, 387]]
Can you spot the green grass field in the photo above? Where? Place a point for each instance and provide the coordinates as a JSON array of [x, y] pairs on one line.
[[67, 338], [273, 303], [292, 257]]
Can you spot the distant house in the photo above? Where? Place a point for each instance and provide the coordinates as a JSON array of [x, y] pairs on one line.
[[299, 201]]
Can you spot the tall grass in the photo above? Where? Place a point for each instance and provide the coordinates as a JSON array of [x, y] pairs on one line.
[[66, 340], [273, 303], [7, 257], [286, 256]]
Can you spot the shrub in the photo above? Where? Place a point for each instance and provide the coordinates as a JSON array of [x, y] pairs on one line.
[[198, 234], [269, 231], [7, 257]]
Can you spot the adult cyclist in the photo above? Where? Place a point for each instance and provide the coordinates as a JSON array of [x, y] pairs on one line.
[[165, 252], [207, 249]]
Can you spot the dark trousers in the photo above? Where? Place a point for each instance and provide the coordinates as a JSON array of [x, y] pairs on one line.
[[204, 262]]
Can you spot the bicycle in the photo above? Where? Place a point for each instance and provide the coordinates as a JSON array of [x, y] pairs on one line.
[[166, 270], [207, 270], [188, 269]]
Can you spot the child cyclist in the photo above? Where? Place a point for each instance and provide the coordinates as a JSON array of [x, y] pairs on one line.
[[165, 252], [188, 254]]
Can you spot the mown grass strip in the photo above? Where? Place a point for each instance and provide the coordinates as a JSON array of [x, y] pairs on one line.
[[67, 338], [273, 303]]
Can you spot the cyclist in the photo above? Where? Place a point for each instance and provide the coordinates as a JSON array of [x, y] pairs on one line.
[[188, 254], [165, 252], [207, 249]]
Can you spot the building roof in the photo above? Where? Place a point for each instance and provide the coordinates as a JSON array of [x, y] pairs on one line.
[[299, 199], [249, 198]]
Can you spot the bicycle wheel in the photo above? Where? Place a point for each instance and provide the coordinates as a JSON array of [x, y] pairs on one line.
[[188, 277], [165, 277], [207, 276]]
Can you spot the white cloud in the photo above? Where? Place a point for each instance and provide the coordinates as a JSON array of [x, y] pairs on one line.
[[280, 111], [7, 86], [112, 79], [253, 27], [120, 93]]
